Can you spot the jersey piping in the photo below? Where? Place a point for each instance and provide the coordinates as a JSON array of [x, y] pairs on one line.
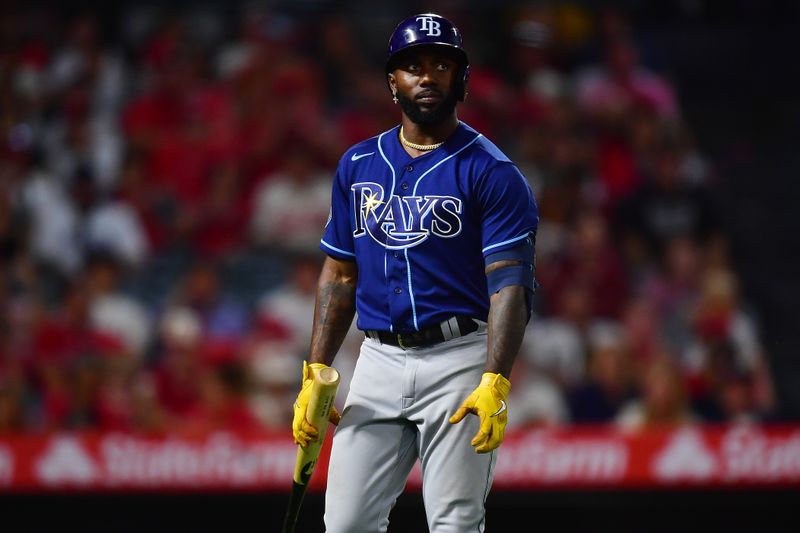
[[445, 159], [383, 155], [515, 239], [335, 249]]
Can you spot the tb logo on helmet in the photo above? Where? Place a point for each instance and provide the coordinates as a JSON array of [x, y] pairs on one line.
[[430, 26]]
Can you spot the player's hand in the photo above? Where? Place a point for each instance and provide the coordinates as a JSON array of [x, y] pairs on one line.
[[302, 431], [488, 401]]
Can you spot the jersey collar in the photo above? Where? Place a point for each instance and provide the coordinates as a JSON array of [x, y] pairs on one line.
[[394, 148]]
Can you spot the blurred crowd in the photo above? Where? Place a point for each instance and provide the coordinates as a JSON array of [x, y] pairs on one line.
[[165, 178]]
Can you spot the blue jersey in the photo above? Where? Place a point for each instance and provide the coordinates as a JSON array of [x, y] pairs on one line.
[[420, 228]]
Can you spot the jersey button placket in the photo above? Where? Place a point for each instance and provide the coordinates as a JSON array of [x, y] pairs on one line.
[[398, 305]]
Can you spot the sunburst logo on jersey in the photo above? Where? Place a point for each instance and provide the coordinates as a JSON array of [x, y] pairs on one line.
[[371, 202]]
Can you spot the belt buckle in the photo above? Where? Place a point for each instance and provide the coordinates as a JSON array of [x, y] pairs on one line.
[[400, 341]]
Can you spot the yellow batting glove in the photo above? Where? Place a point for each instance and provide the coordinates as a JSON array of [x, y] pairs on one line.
[[488, 401], [302, 431]]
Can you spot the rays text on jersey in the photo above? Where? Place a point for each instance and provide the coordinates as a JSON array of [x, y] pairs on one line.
[[403, 221]]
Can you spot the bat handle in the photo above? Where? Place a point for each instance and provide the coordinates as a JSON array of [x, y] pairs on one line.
[[295, 501]]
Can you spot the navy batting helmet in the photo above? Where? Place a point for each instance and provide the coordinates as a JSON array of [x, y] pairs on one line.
[[430, 29]]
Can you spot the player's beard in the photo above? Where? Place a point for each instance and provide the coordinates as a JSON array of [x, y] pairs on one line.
[[428, 116]]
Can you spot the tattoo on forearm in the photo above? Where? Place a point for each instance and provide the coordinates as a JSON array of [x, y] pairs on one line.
[[507, 321], [333, 314]]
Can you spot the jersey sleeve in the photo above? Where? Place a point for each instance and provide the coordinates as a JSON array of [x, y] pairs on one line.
[[508, 210], [337, 239]]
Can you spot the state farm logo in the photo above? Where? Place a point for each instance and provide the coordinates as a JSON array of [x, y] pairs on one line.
[[685, 457], [754, 455], [65, 461], [222, 459], [545, 457], [6, 466]]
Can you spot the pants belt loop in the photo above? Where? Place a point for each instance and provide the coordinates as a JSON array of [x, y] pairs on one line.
[[447, 332], [453, 323]]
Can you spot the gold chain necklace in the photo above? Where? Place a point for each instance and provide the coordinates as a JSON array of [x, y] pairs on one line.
[[420, 147]]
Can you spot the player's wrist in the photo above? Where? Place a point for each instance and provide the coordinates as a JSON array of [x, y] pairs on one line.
[[497, 382], [311, 369]]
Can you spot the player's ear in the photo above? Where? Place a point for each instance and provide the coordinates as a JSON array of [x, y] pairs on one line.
[[390, 79], [464, 84]]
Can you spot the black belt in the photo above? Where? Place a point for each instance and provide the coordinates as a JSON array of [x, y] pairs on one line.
[[457, 326]]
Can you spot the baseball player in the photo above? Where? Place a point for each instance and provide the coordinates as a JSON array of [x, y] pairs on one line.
[[430, 241]]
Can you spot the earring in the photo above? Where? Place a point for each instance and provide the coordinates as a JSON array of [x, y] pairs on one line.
[[394, 97]]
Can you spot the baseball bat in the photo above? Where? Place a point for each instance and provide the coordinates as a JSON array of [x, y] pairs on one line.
[[323, 392]]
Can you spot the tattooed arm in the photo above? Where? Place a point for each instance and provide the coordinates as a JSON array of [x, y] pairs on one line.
[[508, 317], [334, 310]]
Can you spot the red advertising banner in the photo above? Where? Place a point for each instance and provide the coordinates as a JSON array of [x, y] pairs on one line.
[[565, 458]]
